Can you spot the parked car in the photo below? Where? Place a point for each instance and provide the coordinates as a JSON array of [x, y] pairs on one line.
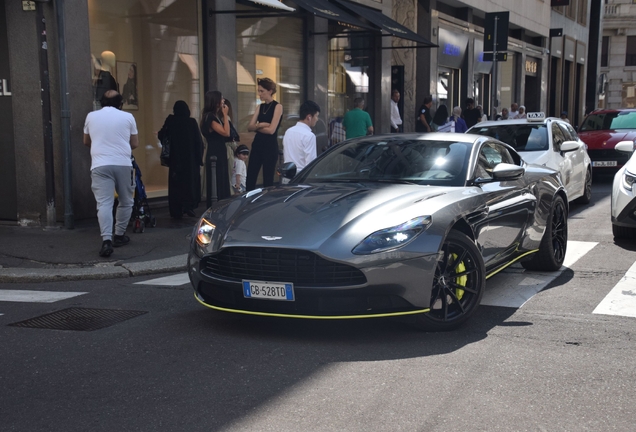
[[601, 130], [623, 194], [549, 142], [380, 226]]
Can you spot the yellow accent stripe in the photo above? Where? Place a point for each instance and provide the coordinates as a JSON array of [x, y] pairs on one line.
[[340, 317], [488, 276]]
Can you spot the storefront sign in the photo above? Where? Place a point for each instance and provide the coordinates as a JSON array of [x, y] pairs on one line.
[[480, 66], [452, 49]]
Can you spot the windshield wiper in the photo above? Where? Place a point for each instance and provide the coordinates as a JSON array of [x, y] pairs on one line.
[[401, 181]]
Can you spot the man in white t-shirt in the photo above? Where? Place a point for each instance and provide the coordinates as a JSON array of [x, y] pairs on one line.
[[514, 111], [396, 120], [111, 134], [299, 142]]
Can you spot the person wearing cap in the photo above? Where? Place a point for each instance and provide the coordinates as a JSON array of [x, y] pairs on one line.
[[239, 171], [299, 142], [564, 116]]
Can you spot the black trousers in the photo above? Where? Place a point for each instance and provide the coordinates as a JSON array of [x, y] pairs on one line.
[[262, 155]]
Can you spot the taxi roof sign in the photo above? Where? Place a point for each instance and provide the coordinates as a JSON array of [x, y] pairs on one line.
[[535, 116]]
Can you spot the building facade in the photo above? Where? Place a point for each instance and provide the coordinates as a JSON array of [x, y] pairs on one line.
[[62, 55], [617, 82]]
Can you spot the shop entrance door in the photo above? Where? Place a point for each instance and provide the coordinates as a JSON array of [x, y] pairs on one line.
[[481, 92], [448, 90]]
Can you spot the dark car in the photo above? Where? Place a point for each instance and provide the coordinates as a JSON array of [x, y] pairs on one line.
[[601, 130], [381, 226]]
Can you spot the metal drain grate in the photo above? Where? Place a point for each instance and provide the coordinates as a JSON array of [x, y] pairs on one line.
[[80, 319]]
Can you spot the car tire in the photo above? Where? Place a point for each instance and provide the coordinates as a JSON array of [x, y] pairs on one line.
[[553, 246], [587, 190], [621, 232], [458, 285]]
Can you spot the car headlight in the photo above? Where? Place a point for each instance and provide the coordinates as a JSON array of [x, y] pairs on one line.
[[628, 180], [391, 238], [204, 232]]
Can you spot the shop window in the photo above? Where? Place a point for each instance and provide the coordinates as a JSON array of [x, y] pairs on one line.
[[149, 51], [630, 55], [268, 47]]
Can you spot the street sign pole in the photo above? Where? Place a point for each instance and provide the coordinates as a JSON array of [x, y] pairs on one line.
[[493, 85]]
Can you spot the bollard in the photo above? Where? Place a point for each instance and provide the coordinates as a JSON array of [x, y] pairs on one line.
[[210, 181]]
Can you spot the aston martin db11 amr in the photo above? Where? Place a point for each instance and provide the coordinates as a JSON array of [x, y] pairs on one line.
[[389, 225]]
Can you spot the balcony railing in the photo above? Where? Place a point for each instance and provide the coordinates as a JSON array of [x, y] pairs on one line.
[[612, 9]]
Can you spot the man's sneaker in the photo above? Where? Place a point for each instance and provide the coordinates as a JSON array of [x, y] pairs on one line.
[[107, 248], [121, 240]]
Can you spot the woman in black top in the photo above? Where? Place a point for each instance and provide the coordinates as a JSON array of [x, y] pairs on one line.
[[265, 123], [186, 154], [215, 127], [423, 118]]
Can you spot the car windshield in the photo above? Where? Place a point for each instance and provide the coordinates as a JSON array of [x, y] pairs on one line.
[[609, 121], [393, 160], [522, 137]]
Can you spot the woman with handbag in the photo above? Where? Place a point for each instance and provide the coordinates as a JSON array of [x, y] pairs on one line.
[[215, 126], [181, 133]]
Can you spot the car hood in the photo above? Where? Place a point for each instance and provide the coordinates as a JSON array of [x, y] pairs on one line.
[[606, 138], [536, 157], [308, 215]]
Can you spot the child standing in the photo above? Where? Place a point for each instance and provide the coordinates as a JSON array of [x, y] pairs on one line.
[[239, 171]]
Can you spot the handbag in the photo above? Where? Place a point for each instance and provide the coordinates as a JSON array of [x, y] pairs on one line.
[[234, 135], [165, 150]]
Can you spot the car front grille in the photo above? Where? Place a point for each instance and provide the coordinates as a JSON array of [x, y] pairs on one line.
[[302, 268]]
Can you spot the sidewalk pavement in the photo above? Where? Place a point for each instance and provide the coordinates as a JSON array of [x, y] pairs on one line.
[[38, 254]]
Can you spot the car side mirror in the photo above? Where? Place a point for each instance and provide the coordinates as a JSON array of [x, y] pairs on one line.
[[625, 146], [506, 171], [568, 146], [288, 170]]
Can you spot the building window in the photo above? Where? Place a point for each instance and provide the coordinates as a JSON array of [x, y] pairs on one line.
[[605, 51], [630, 55], [582, 16], [149, 51]]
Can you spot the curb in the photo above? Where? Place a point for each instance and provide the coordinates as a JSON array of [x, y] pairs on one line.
[[164, 265]]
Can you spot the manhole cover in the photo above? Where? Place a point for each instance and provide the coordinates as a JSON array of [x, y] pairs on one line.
[[80, 319]]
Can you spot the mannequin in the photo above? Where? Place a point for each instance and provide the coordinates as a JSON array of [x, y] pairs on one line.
[[105, 80]]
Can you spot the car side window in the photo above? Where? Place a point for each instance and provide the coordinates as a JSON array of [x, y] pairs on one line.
[[491, 155], [557, 137]]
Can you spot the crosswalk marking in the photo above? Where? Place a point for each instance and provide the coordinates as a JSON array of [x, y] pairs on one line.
[[23, 296], [621, 300], [174, 280], [507, 290]]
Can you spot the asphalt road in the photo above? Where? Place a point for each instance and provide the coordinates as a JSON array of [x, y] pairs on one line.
[[549, 364]]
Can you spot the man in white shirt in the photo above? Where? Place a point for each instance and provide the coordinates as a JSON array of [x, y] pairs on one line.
[[396, 120], [514, 111], [111, 134], [299, 142]]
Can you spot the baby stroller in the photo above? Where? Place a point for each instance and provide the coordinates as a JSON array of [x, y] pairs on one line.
[[141, 215]]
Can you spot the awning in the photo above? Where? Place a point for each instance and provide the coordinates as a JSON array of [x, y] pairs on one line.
[[276, 4], [386, 24], [330, 11]]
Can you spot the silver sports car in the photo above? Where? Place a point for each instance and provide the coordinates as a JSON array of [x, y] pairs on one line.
[[382, 226]]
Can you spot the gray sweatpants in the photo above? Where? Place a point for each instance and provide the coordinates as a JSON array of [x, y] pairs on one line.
[[105, 181]]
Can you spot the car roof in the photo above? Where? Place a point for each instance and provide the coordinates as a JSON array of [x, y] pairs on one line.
[[515, 122], [611, 110]]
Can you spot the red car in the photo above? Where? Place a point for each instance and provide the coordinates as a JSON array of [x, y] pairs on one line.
[[601, 130]]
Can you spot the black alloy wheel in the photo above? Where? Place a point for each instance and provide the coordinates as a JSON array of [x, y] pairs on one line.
[[554, 244], [458, 284]]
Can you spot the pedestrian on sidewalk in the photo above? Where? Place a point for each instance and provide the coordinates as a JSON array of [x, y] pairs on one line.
[[186, 158], [239, 170], [299, 142], [111, 134], [471, 114], [357, 122], [396, 120], [423, 118], [215, 127], [460, 124]]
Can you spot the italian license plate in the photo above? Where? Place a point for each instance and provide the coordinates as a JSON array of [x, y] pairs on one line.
[[268, 290], [603, 163]]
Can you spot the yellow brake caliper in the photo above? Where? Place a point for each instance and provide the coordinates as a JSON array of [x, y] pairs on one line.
[[461, 281]]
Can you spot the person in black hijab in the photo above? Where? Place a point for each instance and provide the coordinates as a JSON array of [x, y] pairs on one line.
[[186, 158]]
